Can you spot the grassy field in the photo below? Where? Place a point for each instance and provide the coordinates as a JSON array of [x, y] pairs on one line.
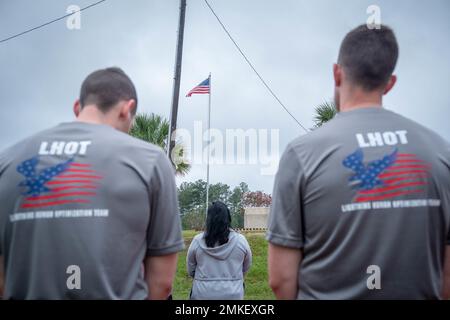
[[256, 285]]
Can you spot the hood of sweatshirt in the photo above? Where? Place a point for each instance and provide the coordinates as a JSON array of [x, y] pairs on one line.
[[220, 252]]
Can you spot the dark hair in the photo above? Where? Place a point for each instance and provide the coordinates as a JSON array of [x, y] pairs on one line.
[[218, 222], [106, 87], [368, 56]]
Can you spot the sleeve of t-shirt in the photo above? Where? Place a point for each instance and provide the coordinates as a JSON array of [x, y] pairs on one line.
[[445, 197], [285, 218], [164, 235]]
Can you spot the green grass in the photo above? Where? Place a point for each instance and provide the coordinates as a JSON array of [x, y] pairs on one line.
[[256, 285]]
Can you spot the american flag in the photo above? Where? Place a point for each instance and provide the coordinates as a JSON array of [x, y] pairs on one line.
[[202, 88], [64, 183], [396, 174]]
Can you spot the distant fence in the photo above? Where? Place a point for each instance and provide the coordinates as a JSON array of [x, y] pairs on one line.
[[252, 230]]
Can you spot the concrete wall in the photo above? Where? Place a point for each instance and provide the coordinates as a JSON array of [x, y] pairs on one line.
[[256, 217]]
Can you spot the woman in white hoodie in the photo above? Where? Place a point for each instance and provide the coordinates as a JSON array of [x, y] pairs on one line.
[[218, 258]]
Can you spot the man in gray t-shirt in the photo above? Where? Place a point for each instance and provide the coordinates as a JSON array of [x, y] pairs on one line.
[[87, 211], [361, 206]]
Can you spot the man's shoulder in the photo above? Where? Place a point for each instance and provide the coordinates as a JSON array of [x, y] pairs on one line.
[[109, 140], [312, 139], [128, 140], [341, 125], [141, 154], [418, 128], [117, 142], [22, 145]]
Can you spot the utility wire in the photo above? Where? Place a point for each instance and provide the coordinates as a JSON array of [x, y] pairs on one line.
[[50, 22], [254, 69]]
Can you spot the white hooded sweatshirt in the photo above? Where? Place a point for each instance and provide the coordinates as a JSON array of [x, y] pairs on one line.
[[218, 272]]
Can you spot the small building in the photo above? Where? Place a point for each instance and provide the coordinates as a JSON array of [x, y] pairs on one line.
[[256, 218]]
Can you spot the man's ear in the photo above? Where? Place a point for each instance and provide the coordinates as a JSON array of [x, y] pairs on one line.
[[128, 109], [392, 81], [77, 108], [337, 73]]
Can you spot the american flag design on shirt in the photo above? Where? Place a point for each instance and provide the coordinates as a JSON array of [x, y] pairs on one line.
[[63, 183], [393, 175]]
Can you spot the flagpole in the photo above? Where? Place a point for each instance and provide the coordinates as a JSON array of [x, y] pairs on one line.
[[209, 145]]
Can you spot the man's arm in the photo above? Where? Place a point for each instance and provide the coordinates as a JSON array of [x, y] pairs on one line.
[[285, 226], [2, 278], [164, 235], [191, 262], [446, 287], [283, 271], [159, 275]]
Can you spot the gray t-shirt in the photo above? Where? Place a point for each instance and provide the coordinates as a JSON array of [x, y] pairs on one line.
[[82, 205], [367, 199]]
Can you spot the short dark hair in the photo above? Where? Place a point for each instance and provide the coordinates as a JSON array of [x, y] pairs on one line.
[[368, 56], [106, 87]]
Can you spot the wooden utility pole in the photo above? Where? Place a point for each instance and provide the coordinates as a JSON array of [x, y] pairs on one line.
[[176, 79]]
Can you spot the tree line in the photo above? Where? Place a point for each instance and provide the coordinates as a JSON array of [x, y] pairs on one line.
[[192, 196]]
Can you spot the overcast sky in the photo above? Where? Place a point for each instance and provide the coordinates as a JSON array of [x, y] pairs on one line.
[[292, 43]]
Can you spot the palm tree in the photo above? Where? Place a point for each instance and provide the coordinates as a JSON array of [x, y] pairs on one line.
[[155, 129], [324, 113]]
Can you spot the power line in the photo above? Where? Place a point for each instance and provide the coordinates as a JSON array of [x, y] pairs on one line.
[[50, 22], [218, 19], [251, 66]]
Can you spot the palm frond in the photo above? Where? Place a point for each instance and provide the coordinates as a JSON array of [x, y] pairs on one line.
[[154, 129], [151, 128], [324, 113]]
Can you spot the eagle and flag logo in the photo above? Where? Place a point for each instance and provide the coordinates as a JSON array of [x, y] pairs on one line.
[[393, 175], [63, 183]]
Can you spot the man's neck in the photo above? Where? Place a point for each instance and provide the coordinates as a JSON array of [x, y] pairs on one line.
[[92, 115], [360, 100], [365, 105]]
